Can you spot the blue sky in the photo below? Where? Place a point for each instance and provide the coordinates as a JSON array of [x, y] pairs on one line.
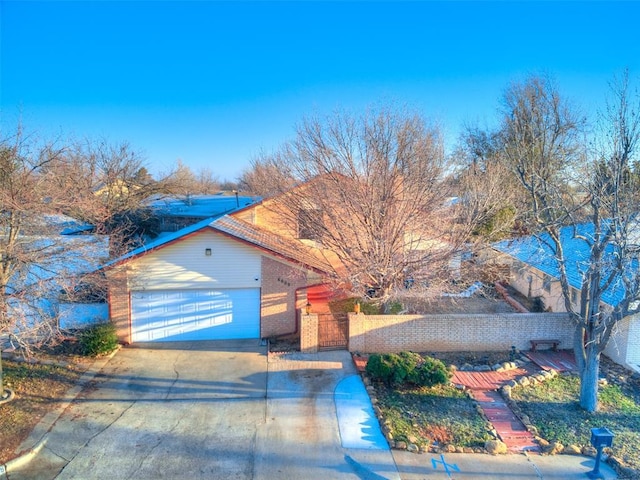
[[214, 83]]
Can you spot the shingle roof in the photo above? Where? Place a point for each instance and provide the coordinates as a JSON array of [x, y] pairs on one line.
[[537, 252], [267, 240], [290, 250]]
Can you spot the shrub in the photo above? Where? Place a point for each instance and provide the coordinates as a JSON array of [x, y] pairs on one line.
[[431, 372], [98, 339], [407, 368]]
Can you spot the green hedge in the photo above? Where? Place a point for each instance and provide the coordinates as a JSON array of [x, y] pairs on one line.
[[98, 339], [402, 368]]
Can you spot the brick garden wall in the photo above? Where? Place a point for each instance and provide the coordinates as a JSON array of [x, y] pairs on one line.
[[443, 333]]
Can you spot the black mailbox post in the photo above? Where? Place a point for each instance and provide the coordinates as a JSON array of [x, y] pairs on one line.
[[600, 438]]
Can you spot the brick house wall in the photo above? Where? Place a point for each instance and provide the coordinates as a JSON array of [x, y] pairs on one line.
[[279, 304], [119, 303], [447, 333], [271, 215]]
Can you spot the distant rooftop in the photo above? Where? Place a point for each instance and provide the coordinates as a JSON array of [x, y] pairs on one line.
[[536, 251], [200, 206]]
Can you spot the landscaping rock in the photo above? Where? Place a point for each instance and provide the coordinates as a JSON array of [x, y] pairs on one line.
[[495, 447], [413, 448], [544, 444], [573, 450], [524, 381], [555, 448]]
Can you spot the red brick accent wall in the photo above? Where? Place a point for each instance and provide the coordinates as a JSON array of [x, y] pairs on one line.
[[278, 297], [119, 308], [450, 333]]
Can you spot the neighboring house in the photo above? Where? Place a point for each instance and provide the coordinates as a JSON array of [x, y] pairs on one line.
[[177, 213], [217, 279], [534, 273], [45, 294]]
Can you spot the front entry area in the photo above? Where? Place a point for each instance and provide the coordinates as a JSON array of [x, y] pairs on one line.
[[188, 315], [333, 331]]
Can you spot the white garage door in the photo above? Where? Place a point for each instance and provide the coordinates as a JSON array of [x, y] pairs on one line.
[[184, 315]]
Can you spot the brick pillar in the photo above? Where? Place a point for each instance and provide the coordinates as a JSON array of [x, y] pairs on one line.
[[356, 333], [308, 333]]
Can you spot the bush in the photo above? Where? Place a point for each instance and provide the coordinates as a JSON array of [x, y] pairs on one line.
[[431, 372], [407, 368], [98, 339]]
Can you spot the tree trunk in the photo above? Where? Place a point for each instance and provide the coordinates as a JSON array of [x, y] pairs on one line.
[[589, 380], [1, 375]]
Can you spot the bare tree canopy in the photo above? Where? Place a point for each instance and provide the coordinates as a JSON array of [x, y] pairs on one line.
[[586, 191], [371, 191], [36, 262]]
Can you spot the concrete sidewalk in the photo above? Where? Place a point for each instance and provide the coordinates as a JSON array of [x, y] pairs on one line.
[[486, 467]]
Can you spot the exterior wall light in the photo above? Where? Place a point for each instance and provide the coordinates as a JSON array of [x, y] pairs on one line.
[[207, 252], [307, 308]]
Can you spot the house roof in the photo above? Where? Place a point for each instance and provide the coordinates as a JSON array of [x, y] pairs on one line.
[[537, 252], [199, 206], [240, 230]]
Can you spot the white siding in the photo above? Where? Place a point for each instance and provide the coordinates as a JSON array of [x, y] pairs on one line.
[[633, 343], [616, 349], [184, 265]]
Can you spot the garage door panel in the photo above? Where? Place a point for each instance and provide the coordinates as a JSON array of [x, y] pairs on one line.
[[195, 315]]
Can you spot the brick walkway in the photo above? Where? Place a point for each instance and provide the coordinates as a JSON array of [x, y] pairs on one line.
[[507, 425], [483, 387], [489, 380]]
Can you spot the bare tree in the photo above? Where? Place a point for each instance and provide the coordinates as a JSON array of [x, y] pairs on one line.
[[370, 191], [568, 184], [35, 261], [107, 185], [263, 178]]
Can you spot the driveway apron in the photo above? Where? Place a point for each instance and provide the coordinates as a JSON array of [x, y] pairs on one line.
[[302, 437]]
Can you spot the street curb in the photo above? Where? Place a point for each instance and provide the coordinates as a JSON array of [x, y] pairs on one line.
[[40, 434]]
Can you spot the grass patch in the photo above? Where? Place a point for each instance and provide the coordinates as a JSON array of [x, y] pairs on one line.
[[440, 415], [38, 389], [554, 410]]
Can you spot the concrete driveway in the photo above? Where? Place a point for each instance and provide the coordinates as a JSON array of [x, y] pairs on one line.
[[162, 411], [215, 410]]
